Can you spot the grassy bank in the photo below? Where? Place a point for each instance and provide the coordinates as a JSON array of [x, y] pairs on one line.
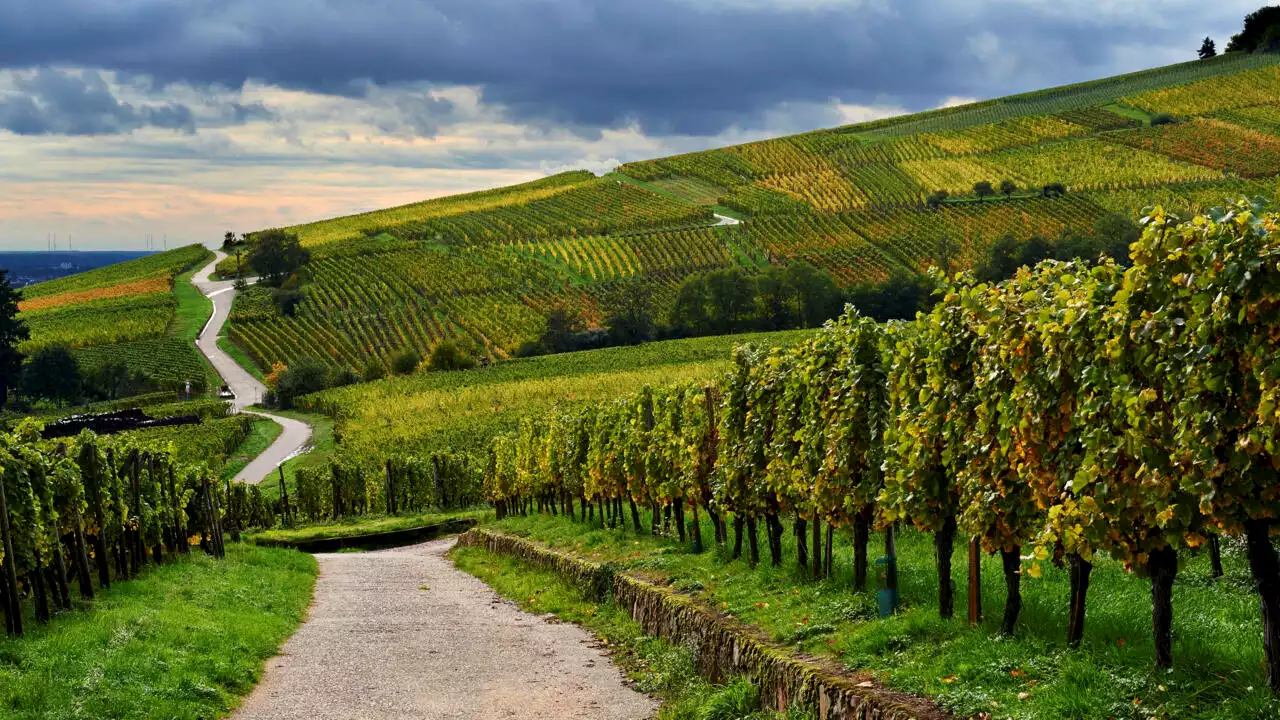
[[656, 667], [263, 433], [359, 526], [968, 671], [186, 640]]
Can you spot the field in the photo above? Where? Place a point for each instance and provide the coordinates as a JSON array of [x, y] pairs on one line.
[[461, 411], [485, 268], [143, 314]]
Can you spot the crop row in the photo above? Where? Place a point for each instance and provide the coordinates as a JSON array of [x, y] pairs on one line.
[[354, 226], [1253, 87], [100, 322], [163, 264], [598, 207], [168, 361], [1213, 143], [610, 257]]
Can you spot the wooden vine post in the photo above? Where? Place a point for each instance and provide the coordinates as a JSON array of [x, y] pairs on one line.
[[284, 499], [975, 582]]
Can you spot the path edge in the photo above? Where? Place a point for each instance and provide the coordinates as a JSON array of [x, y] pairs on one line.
[[723, 648]]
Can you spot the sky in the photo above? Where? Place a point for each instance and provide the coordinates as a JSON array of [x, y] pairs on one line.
[[178, 120]]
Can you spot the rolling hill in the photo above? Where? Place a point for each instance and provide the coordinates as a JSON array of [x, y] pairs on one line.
[[127, 314], [486, 267]]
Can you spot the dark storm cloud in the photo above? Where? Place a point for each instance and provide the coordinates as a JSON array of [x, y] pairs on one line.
[[62, 102], [673, 66]]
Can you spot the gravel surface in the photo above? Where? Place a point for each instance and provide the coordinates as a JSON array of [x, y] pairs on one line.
[[296, 434], [404, 634]]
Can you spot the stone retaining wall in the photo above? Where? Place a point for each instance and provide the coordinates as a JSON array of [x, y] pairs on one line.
[[723, 648]]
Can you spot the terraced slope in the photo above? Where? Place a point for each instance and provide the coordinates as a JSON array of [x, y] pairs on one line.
[[486, 267], [139, 313]]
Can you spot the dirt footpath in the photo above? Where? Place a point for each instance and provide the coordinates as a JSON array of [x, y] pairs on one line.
[[403, 634]]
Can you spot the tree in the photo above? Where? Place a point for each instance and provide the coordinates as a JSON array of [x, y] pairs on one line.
[[936, 200], [730, 297], [306, 375], [983, 190], [53, 374], [448, 355], [630, 321], [12, 332], [1208, 49], [1008, 188], [814, 294], [1258, 31], [1053, 190], [278, 255], [899, 298], [560, 335], [228, 240], [688, 315]]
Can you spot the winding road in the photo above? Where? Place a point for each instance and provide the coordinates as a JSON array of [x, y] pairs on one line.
[[248, 391]]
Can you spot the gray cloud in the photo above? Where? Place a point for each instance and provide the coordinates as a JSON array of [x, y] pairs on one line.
[[670, 66], [66, 102]]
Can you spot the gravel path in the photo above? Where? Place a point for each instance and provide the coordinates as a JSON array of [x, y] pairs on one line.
[[403, 634], [296, 434]]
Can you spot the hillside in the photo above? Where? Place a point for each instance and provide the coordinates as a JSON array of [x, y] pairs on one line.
[[130, 314], [486, 267]]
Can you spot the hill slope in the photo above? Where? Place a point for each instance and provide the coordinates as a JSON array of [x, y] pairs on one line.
[[486, 267], [125, 314]]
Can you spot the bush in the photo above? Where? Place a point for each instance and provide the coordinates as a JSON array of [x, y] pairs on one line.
[[287, 301], [405, 361], [304, 376], [375, 369], [447, 355], [1162, 119]]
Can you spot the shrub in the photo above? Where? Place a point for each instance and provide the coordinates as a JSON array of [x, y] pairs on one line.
[[447, 355], [405, 361]]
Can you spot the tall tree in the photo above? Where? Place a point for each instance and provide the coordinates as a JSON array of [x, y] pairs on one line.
[[1259, 31], [12, 332], [983, 190], [1208, 49], [278, 255], [1008, 187], [53, 374]]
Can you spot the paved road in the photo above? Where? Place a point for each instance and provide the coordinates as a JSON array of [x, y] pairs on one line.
[[401, 634], [296, 434], [725, 220]]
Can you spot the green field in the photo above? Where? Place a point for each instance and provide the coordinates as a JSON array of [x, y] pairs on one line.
[[462, 411]]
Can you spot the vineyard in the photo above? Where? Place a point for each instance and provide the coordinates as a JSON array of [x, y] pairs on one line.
[[94, 511], [124, 314], [1076, 414], [484, 268]]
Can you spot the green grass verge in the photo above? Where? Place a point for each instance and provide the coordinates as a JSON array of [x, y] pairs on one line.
[[656, 666], [263, 433], [186, 640], [969, 671], [368, 525], [241, 357], [193, 310]]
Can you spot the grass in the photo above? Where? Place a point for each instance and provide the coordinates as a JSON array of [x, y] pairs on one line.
[[193, 310], [1033, 676], [241, 357], [365, 525], [263, 433], [186, 640], [656, 666]]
